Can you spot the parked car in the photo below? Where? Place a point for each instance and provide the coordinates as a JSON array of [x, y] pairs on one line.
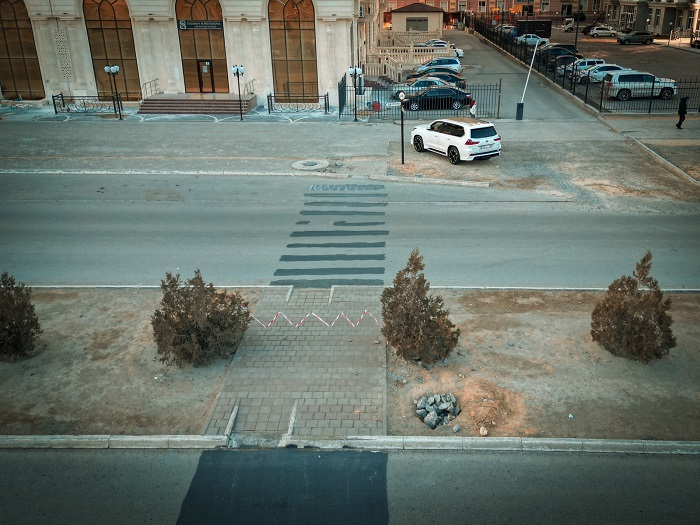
[[548, 55], [503, 28], [531, 39], [602, 31], [544, 50], [448, 62], [433, 42], [596, 73], [626, 84], [433, 71], [587, 28], [573, 68], [695, 42], [417, 84], [459, 53], [458, 138], [636, 37], [557, 60], [437, 98], [452, 79]]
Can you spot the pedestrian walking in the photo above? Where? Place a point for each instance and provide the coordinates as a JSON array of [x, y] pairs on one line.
[[472, 108], [682, 110]]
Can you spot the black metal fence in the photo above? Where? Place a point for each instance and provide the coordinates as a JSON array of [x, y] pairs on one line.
[[382, 102], [73, 104], [297, 103], [650, 97]]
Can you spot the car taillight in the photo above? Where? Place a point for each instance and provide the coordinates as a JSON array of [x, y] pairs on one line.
[[497, 139], [471, 142]]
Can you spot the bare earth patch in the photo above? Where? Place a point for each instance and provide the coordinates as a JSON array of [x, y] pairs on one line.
[[97, 371], [526, 366]]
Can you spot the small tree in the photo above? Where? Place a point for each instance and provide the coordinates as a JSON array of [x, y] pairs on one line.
[[19, 324], [196, 322], [632, 320], [415, 323]]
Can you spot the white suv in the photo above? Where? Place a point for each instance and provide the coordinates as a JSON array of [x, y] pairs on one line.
[[458, 138], [448, 62], [624, 85]]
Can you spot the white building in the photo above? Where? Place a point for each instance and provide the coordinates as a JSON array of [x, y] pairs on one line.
[[297, 49]]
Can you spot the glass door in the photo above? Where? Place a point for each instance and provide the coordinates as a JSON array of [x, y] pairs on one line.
[[205, 72]]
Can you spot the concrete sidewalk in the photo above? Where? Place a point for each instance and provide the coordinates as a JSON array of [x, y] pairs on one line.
[[313, 366]]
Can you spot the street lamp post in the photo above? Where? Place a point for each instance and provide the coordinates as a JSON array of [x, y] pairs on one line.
[[238, 72], [353, 72], [112, 72]]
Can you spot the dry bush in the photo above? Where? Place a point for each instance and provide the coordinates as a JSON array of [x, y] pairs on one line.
[[415, 323], [196, 322], [19, 324], [632, 320]]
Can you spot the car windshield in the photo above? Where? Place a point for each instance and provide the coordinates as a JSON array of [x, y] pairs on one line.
[[485, 132]]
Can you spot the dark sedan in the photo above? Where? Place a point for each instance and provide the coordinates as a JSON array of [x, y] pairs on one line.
[[430, 72], [437, 98]]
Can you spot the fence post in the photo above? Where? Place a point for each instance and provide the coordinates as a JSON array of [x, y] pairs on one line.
[[651, 95], [269, 104], [55, 109]]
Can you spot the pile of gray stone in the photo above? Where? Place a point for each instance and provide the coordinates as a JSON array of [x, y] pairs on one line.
[[437, 409]]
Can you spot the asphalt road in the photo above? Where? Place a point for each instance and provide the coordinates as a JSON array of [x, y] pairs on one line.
[[131, 229], [264, 487]]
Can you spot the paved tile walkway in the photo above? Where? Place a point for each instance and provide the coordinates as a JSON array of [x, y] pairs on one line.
[[336, 375]]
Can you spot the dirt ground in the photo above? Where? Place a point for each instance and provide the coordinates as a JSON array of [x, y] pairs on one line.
[[525, 366], [97, 370]]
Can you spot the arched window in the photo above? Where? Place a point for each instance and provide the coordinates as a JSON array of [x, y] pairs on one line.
[[112, 43], [20, 75], [202, 46], [293, 47]]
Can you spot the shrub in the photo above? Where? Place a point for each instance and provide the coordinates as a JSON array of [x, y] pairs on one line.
[[415, 323], [196, 322], [632, 320], [19, 325]]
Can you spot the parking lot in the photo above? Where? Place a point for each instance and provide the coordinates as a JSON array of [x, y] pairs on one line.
[[678, 63]]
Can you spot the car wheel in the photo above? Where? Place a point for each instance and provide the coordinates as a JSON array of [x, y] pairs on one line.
[[666, 93], [456, 104], [413, 106], [418, 144], [613, 35], [399, 93], [625, 42], [584, 80], [647, 41], [624, 94], [594, 35], [453, 155]]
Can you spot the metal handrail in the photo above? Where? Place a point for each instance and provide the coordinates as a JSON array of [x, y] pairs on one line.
[[150, 88]]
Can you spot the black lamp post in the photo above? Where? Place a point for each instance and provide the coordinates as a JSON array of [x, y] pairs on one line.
[[353, 72], [112, 72], [578, 17], [238, 72]]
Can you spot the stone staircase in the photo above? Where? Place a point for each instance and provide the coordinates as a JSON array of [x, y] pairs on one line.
[[198, 104]]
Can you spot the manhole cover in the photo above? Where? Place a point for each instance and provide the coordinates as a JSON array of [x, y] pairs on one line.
[[310, 165]]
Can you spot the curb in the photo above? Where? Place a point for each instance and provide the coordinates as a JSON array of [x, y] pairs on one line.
[[372, 443], [105, 441], [507, 444]]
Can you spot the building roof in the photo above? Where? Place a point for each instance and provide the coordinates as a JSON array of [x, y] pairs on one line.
[[417, 8]]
